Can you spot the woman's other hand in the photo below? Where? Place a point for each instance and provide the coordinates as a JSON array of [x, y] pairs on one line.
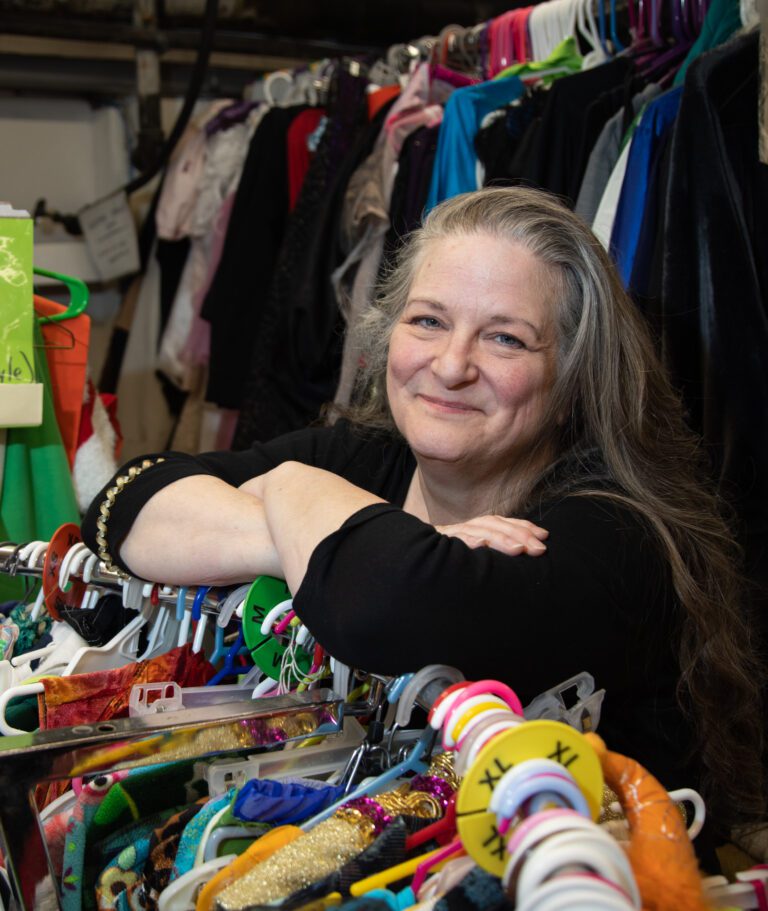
[[509, 536]]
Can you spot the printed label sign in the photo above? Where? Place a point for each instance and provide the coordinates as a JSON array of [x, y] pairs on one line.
[[16, 311], [110, 235]]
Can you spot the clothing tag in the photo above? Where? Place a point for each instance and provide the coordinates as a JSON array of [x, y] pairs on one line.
[[110, 235]]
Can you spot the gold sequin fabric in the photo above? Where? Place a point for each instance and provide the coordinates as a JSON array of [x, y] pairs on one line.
[[295, 866]]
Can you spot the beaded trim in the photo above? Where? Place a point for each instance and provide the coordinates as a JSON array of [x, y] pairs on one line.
[[106, 508]]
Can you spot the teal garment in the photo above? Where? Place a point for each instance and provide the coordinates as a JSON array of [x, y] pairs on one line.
[[193, 832], [30, 631], [37, 491], [455, 168], [723, 19]]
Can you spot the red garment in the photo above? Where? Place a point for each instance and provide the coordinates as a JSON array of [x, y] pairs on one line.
[[103, 695], [66, 350], [520, 34], [299, 155]]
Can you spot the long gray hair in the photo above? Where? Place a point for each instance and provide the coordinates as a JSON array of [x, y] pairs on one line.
[[614, 429]]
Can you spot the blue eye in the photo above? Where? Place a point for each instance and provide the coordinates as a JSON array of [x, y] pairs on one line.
[[426, 322], [509, 341]]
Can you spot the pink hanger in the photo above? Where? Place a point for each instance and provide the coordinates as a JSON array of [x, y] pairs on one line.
[[455, 847]]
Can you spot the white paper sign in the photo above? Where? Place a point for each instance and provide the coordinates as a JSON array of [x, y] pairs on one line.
[[110, 235]]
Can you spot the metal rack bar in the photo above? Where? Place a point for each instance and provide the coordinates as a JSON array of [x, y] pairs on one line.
[[102, 578], [27, 760]]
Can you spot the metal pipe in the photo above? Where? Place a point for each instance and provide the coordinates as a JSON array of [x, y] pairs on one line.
[[216, 730]]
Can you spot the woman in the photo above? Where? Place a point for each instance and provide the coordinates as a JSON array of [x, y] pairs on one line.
[[518, 497]]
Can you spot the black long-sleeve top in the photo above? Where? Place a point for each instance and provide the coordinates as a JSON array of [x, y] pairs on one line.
[[388, 593]]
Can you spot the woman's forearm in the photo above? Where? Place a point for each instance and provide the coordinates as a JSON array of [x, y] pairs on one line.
[[200, 530], [303, 505]]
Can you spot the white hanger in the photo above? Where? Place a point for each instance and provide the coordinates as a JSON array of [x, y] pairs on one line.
[[234, 600], [38, 606], [64, 801], [27, 657], [31, 552], [197, 641], [163, 633], [70, 565], [26, 689], [272, 616], [278, 86], [123, 647], [588, 28], [733, 895], [181, 894]]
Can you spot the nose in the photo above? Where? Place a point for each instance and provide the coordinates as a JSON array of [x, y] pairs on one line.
[[454, 362]]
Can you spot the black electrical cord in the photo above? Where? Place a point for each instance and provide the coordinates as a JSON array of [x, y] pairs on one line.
[[71, 223], [193, 92]]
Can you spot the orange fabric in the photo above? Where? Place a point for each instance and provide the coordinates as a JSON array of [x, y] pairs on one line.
[[260, 850], [660, 851], [380, 97], [67, 354], [102, 695]]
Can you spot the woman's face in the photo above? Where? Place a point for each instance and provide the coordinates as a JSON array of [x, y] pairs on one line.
[[472, 359]]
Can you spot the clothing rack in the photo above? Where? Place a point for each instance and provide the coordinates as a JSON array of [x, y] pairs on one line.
[[201, 733], [102, 577]]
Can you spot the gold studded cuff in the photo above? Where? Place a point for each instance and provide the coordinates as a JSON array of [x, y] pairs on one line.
[[105, 510]]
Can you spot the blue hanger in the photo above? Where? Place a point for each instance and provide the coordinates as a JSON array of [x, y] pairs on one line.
[[411, 763], [197, 604], [219, 648], [395, 687], [229, 668], [181, 599], [617, 45], [397, 901], [601, 26]]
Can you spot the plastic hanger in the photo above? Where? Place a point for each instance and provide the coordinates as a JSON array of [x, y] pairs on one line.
[[71, 564], [588, 29], [78, 296], [185, 617], [271, 617], [181, 894], [601, 26], [430, 863], [163, 633], [119, 651], [384, 878], [231, 603], [39, 606], [412, 763], [200, 619], [16, 692], [229, 668], [441, 831], [617, 45]]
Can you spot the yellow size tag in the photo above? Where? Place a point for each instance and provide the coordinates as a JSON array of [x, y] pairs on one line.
[[476, 825]]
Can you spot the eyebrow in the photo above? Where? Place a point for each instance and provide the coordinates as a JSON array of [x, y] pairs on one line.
[[497, 318]]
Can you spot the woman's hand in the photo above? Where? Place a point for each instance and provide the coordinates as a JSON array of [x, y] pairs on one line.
[[509, 536]]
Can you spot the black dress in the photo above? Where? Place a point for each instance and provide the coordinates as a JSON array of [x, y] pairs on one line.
[[390, 594]]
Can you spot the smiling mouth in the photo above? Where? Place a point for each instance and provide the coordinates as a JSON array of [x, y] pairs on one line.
[[447, 406]]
